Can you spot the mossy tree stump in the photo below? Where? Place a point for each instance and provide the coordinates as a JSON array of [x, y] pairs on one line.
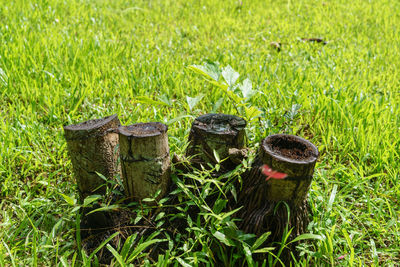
[[224, 134], [291, 160], [145, 159], [92, 147]]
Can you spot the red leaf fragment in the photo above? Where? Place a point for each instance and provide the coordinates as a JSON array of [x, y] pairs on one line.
[[271, 173]]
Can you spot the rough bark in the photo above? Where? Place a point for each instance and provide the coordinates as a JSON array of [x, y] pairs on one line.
[[266, 201], [92, 146], [145, 159], [222, 133]]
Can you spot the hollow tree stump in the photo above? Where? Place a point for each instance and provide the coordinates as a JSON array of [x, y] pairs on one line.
[[222, 133], [145, 160], [291, 160], [92, 146]]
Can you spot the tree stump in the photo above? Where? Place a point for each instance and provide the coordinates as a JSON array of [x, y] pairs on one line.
[[222, 133], [281, 172], [145, 160], [92, 146]]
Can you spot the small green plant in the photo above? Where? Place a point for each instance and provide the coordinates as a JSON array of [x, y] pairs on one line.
[[227, 80]]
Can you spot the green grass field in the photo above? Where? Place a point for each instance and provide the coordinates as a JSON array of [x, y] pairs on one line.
[[64, 62]]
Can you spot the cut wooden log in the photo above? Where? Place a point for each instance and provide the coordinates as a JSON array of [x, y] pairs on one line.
[[145, 159], [93, 149], [224, 134], [281, 172]]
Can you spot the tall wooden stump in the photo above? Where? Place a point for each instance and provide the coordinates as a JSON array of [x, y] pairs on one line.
[[282, 172], [222, 133], [145, 159], [92, 146]]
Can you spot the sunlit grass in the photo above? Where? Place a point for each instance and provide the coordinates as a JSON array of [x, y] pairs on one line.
[[63, 62]]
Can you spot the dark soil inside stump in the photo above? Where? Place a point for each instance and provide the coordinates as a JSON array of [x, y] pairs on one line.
[[290, 147]]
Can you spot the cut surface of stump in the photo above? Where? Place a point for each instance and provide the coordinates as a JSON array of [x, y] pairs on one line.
[[224, 134], [145, 159], [290, 162], [92, 146]]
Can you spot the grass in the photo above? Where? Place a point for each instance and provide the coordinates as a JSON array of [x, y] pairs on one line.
[[63, 62]]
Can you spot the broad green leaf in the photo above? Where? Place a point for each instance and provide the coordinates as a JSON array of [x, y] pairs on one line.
[[221, 237], [165, 99], [200, 70], [90, 199], [157, 193], [245, 237], [219, 205], [246, 89], [230, 75], [252, 112], [216, 156], [193, 101], [160, 216], [71, 201], [183, 263], [207, 70], [247, 253], [138, 218], [163, 200], [260, 240]]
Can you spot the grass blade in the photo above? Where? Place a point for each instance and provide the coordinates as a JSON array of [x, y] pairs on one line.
[[116, 255], [103, 244]]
